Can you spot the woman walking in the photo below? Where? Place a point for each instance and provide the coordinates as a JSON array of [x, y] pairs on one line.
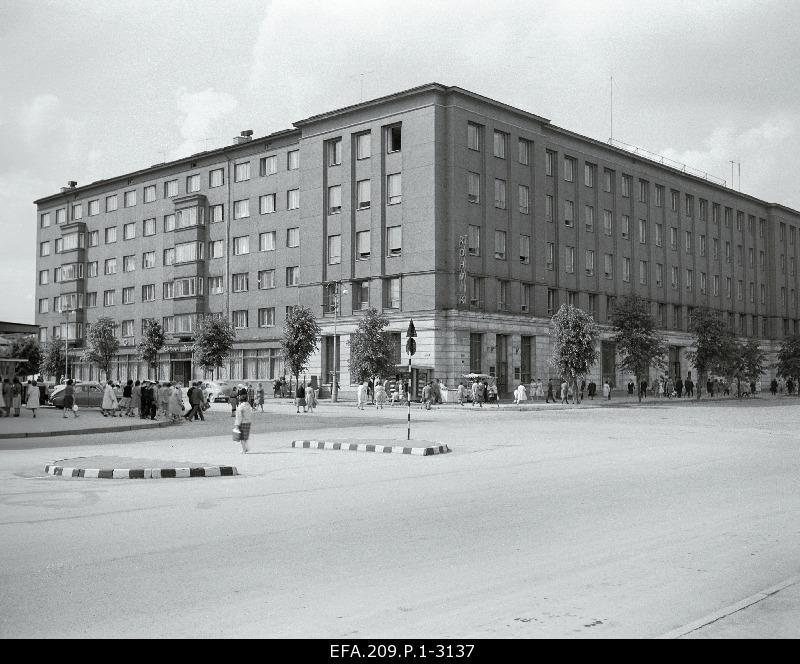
[[243, 421], [174, 406], [16, 396], [260, 396], [110, 403], [69, 399], [127, 396], [380, 396], [136, 399], [33, 398], [311, 398]]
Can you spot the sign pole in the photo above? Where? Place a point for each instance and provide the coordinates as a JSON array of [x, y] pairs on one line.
[[411, 348], [409, 399]]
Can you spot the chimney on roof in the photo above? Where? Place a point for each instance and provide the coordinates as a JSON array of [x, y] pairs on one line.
[[244, 137], [70, 185]]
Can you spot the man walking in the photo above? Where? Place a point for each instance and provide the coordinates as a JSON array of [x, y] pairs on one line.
[[195, 395], [550, 391]]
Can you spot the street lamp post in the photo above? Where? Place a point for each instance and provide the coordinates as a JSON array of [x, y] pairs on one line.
[[337, 299], [66, 343], [411, 348]]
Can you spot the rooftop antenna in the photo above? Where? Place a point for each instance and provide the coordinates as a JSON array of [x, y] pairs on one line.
[[732, 162], [740, 173], [611, 139], [362, 75]]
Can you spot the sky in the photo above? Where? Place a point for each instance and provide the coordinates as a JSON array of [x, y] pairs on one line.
[[91, 89]]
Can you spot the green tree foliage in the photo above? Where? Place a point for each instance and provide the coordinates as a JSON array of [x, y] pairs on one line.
[[152, 341], [101, 344], [300, 332], [638, 344], [213, 342], [27, 349], [575, 338], [53, 360], [788, 365], [371, 353], [712, 339]]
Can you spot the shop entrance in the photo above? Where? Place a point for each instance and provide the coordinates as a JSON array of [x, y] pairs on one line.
[[181, 368]]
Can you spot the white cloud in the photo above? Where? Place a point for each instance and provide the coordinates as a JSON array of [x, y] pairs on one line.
[[198, 122]]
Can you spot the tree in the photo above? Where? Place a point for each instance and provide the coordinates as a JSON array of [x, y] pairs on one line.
[[712, 338], [153, 340], [638, 344], [27, 349], [101, 344], [575, 336], [300, 332], [744, 362], [213, 342], [788, 365], [371, 354], [53, 360]]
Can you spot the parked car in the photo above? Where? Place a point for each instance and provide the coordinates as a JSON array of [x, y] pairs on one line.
[[88, 394], [218, 390]]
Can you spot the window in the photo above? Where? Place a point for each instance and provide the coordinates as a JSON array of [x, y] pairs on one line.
[[241, 245], [740, 221], [61, 216], [502, 303], [266, 241], [91, 269], [525, 299], [111, 235], [626, 269], [588, 175], [266, 317], [659, 274], [44, 305], [524, 151], [689, 279], [241, 171], [762, 260], [703, 209], [393, 293], [715, 248], [293, 199], [643, 189], [148, 293], [642, 231], [44, 219], [77, 211], [473, 187], [548, 207], [192, 183], [170, 188], [335, 152], [674, 277], [792, 268], [500, 194], [552, 301], [69, 242], [111, 203], [216, 177], [168, 324], [266, 204], [335, 199], [688, 241], [643, 273], [659, 196], [763, 294], [94, 208], [525, 249], [394, 139], [715, 285], [44, 277], [715, 213], [216, 213], [728, 287], [727, 252], [189, 251], [524, 199], [360, 295], [677, 321], [363, 146], [241, 209], [268, 165], [216, 285], [659, 235], [674, 200], [739, 289], [626, 226], [266, 279], [149, 227], [393, 241], [589, 262], [569, 169], [334, 249], [216, 249], [550, 255], [239, 318], [169, 223], [608, 223], [475, 291], [362, 245], [689, 207], [394, 186], [474, 136], [728, 217], [626, 186], [128, 263], [108, 298], [127, 295], [129, 199], [608, 180], [240, 282], [740, 258], [69, 272], [292, 276], [569, 213], [549, 161], [293, 160], [44, 248], [500, 245], [292, 237], [752, 292], [110, 266], [751, 258], [608, 265], [127, 328], [702, 245], [569, 260], [588, 214], [761, 227], [500, 144]]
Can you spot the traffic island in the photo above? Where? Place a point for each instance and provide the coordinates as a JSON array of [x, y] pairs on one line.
[[420, 447], [123, 468]]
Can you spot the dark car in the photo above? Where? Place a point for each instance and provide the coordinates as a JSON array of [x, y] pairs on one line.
[[88, 394]]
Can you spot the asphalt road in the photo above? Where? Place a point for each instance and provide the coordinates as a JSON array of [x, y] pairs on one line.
[[576, 523]]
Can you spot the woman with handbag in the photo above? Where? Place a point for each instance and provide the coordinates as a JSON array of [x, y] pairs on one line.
[[69, 399]]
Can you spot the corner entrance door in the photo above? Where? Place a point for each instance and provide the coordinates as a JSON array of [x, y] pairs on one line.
[[608, 362], [181, 372], [675, 361]]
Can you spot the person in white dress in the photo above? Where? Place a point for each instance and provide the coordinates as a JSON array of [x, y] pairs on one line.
[[520, 394], [32, 403], [362, 395]]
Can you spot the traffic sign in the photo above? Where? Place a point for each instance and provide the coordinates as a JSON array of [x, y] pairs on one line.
[[411, 346], [411, 332]]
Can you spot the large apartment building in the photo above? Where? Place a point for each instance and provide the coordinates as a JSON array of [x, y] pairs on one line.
[[472, 217]]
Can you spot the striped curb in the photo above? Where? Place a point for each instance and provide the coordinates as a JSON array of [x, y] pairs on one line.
[[88, 430], [141, 473], [439, 448]]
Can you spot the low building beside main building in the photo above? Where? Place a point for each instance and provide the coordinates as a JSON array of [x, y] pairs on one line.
[[474, 218]]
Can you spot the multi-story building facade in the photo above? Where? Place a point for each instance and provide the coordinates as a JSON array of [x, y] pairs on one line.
[[472, 217]]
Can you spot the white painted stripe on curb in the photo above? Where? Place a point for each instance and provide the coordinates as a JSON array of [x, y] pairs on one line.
[[729, 610], [181, 472], [92, 473], [212, 472], [121, 473]]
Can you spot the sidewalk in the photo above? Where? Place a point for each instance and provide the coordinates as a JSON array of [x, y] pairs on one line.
[[51, 422]]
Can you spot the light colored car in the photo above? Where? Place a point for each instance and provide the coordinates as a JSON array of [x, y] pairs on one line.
[[217, 390], [88, 394]]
